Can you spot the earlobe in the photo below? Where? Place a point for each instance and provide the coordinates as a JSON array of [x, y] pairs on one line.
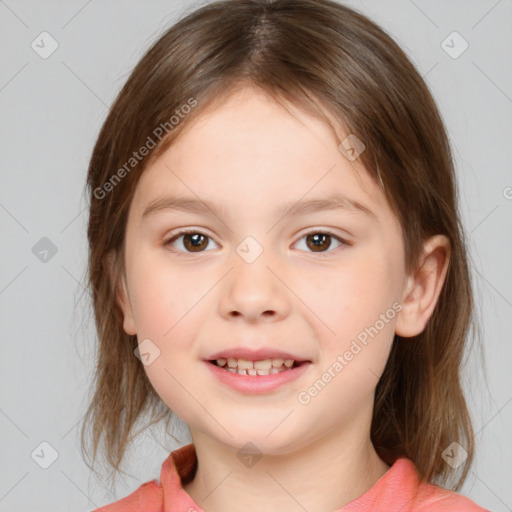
[[422, 290], [118, 282]]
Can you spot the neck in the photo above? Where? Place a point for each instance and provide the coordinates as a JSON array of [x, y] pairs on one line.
[[321, 477]]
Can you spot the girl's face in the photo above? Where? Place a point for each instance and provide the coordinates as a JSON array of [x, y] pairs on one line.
[[321, 284]]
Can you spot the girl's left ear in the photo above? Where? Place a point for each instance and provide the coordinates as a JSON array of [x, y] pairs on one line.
[[424, 287]]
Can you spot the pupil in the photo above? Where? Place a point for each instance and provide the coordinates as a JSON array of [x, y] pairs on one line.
[[319, 241], [196, 242]]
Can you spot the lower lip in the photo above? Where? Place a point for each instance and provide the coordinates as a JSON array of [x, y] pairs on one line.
[[254, 384]]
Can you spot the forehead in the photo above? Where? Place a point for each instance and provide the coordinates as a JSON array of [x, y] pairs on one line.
[[249, 152]]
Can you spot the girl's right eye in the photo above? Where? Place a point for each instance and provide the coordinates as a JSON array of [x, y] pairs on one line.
[[193, 241]]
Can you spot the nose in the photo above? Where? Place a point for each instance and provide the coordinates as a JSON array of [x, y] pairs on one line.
[[254, 292]]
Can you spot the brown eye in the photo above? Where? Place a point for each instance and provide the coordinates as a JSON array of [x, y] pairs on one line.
[[321, 241], [318, 241], [192, 241]]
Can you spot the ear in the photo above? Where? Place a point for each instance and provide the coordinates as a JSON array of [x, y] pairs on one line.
[[118, 281], [424, 287]]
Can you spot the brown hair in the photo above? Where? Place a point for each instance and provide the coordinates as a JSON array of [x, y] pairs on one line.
[[320, 56]]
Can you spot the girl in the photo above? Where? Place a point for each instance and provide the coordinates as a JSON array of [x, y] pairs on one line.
[[276, 258]]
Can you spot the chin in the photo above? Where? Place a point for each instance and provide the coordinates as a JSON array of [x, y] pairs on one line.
[[258, 440]]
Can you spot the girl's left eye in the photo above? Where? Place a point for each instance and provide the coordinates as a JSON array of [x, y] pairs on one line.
[[319, 240], [194, 241]]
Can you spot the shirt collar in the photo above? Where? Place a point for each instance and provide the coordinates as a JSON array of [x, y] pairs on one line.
[[398, 486]]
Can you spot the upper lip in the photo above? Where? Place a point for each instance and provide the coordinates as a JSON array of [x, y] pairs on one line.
[[255, 355]]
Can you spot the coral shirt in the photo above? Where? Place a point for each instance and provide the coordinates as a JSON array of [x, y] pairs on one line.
[[398, 489]]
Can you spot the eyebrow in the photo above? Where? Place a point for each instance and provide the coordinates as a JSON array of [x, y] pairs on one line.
[[292, 208]]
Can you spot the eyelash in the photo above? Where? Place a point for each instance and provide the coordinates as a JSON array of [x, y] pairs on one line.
[[178, 234]]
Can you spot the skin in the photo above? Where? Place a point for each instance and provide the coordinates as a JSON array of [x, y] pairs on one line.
[[250, 156]]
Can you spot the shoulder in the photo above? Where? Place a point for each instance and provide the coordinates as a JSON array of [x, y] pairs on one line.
[[401, 486], [433, 498], [147, 498]]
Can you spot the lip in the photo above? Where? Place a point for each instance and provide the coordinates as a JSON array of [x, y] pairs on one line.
[[255, 355], [257, 384]]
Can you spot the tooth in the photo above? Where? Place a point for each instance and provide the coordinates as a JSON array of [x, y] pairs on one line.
[[264, 364], [244, 364], [262, 367]]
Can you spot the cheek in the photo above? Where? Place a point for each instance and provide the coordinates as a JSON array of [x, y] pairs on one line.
[[163, 295], [169, 312], [353, 296], [356, 303]]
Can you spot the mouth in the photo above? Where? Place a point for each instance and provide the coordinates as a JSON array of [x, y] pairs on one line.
[[261, 367], [254, 372]]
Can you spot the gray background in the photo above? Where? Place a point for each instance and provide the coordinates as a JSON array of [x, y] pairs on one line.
[[51, 112]]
